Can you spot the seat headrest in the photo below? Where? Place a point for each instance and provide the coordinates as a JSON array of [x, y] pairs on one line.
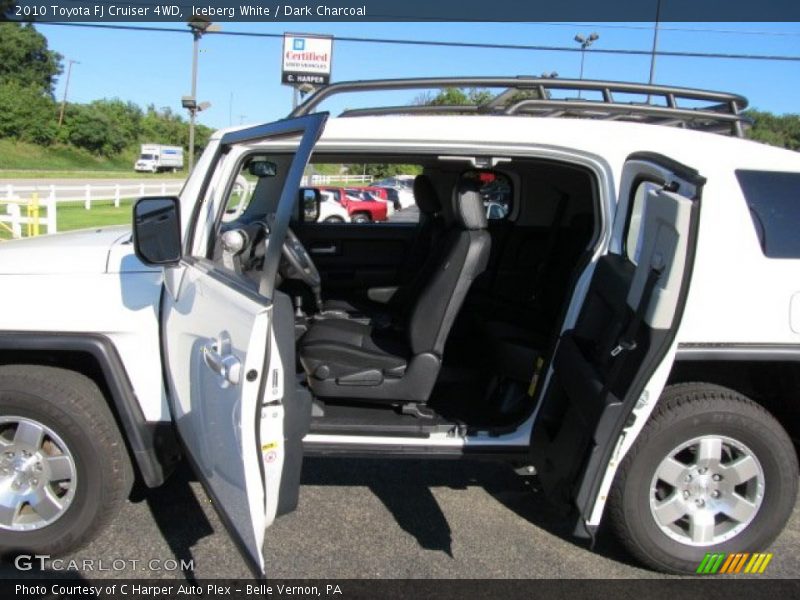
[[469, 210], [425, 195]]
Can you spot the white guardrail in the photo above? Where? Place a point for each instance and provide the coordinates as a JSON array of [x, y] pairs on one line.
[[24, 203], [87, 193]]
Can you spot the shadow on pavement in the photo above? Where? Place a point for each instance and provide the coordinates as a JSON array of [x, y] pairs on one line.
[[404, 487], [178, 514]]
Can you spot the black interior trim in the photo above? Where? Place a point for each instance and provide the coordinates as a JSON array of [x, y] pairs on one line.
[[661, 344], [683, 171]]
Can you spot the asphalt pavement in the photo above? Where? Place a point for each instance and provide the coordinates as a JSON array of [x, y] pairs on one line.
[[361, 518]]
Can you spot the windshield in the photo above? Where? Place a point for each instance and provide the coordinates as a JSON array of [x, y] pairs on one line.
[[146, 157]]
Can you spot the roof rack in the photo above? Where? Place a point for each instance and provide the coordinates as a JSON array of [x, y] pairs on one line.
[[717, 112]]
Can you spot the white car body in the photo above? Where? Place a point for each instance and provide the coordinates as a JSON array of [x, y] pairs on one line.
[[330, 210], [105, 263]]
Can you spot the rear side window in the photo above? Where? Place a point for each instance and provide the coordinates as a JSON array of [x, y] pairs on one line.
[[774, 201]]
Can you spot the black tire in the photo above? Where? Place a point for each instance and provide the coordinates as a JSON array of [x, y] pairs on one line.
[[361, 218], [333, 219], [684, 412], [73, 407]]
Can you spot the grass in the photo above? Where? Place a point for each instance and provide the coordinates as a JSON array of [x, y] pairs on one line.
[[103, 212], [74, 216], [23, 160], [39, 174]]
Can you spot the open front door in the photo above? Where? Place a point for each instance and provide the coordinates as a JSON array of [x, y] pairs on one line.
[[610, 367], [228, 337]]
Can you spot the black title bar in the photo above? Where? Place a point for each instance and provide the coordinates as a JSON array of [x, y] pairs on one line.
[[222, 11]]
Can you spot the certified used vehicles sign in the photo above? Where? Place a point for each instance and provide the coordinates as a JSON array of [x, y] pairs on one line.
[[306, 59]]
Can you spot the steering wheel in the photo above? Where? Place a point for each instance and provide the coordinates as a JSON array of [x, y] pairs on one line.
[[300, 265]]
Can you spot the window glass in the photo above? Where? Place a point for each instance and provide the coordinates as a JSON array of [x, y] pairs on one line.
[[774, 202], [496, 191], [633, 237], [363, 193], [239, 196]]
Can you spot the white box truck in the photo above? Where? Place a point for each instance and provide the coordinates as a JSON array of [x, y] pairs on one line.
[[156, 158]]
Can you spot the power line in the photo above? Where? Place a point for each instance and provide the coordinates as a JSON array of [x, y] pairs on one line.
[[648, 27], [438, 43]]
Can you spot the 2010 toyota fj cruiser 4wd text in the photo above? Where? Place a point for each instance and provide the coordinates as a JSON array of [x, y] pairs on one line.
[[600, 295]]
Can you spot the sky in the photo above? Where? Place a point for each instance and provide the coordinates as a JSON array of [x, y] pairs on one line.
[[240, 76]]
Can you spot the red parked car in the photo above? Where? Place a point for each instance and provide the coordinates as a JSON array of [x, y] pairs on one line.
[[361, 205]]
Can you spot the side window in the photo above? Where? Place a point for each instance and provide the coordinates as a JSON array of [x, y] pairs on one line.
[[240, 194], [496, 190], [633, 239], [774, 202], [236, 242], [349, 193]]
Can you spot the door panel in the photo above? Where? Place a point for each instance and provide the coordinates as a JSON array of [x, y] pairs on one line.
[[229, 367], [624, 331], [211, 323], [352, 258]]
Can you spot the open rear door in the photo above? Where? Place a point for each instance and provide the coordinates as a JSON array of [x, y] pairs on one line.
[[229, 348], [610, 367]]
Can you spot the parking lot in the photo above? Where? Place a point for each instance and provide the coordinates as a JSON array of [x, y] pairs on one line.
[[377, 519]]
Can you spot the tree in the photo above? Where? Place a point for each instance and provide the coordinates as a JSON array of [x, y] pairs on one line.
[[87, 127], [26, 59], [26, 114], [454, 97], [778, 130]]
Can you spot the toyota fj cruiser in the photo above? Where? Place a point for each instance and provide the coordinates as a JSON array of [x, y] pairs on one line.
[[627, 322]]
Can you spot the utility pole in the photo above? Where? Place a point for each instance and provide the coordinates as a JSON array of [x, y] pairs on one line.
[[655, 43], [66, 89]]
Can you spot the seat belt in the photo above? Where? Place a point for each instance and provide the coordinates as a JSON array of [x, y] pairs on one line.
[[627, 341]]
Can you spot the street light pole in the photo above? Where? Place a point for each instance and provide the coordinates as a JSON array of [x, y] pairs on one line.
[[199, 26], [585, 42], [197, 34], [583, 58], [66, 89]]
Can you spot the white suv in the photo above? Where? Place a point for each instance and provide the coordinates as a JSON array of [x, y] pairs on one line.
[[629, 325]]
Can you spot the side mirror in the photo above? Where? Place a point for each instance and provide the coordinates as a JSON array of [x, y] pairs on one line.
[[310, 199], [157, 230]]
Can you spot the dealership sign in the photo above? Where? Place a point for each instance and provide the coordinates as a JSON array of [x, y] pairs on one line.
[[306, 59]]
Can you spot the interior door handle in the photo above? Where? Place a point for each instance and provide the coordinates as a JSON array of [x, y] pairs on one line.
[[323, 249], [218, 357]]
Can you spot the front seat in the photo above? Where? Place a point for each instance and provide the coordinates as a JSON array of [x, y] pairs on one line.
[[431, 229], [349, 359]]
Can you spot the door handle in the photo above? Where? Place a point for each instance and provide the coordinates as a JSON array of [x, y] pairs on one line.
[[218, 357], [323, 250]]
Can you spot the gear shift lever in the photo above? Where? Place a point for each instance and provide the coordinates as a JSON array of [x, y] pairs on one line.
[[298, 307], [318, 298]]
